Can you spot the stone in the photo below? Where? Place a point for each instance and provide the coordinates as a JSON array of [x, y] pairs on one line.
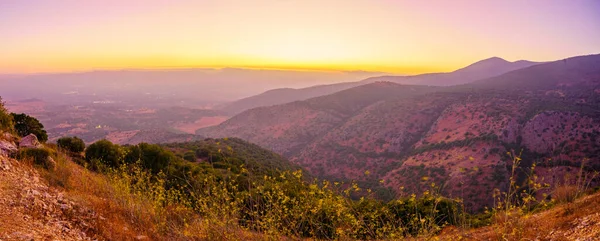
[[30, 141], [7, 148]]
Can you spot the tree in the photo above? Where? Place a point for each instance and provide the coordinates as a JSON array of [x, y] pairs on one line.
[[154, 157], [105, 152], [132, 154], [25, 125], [72, 144]]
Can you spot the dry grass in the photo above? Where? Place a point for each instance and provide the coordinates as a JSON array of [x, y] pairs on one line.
[[565, 194], [130, 204], [559, 223], [116, 219]]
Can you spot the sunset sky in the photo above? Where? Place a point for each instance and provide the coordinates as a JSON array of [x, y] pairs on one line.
[[373, 35]]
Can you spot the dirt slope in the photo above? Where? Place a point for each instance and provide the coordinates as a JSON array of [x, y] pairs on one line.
[[30, 210], [579, 220]]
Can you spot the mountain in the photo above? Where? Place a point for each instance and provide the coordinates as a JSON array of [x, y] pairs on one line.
[[480, 70], [400, 138]]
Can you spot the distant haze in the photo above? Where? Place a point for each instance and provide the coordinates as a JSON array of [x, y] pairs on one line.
[[193, 87]]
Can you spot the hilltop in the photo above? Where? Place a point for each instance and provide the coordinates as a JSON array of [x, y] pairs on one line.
[[483, 69]]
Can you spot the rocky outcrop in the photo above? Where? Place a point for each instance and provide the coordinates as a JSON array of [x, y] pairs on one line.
[[30, 141]]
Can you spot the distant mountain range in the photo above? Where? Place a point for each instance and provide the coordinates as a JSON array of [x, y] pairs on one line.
[[480, 70], [398, 138]]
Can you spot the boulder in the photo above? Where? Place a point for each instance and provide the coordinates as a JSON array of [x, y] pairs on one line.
[[7, 148], [30, 141]]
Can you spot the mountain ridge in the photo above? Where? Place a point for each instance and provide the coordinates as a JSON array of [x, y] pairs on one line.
[[486, 68]]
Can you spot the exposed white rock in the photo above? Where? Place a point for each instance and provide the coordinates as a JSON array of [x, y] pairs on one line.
[[30, 141]]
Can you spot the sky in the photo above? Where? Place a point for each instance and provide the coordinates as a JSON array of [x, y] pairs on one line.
[[393, 36]]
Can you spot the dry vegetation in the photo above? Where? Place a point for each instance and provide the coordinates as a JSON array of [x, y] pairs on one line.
[[131, 204]]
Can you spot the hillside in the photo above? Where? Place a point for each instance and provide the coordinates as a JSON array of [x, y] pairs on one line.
[[288, 128], [31, 210], [235, 153], [480, 70], [229, 189], [285, 95], [457, 137], [575, 220]]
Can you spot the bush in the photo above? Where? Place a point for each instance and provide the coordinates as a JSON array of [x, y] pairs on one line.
[[132, 154], [71, 144], [154, 157], [39, 156], [189, 156], [25, 125], [104, 152]]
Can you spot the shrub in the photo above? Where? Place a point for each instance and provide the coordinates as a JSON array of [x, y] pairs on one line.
[[132, 154], [104, 152], [189, 156], [72, 144], [39, 156], [154, 157], [25, 125], [565, 194]]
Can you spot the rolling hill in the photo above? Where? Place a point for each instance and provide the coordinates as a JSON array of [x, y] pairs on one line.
[[400, 138], [285, 95]]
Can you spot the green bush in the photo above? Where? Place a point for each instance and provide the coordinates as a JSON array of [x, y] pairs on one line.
[[154, 157], [25, 125], [189, 156], [104, 152], [132, 154], [71, 144], [39, 156]]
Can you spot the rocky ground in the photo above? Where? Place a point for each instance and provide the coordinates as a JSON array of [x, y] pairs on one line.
[[30, 210]]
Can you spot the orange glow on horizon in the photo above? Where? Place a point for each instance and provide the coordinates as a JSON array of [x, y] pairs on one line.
[[404, 37]]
